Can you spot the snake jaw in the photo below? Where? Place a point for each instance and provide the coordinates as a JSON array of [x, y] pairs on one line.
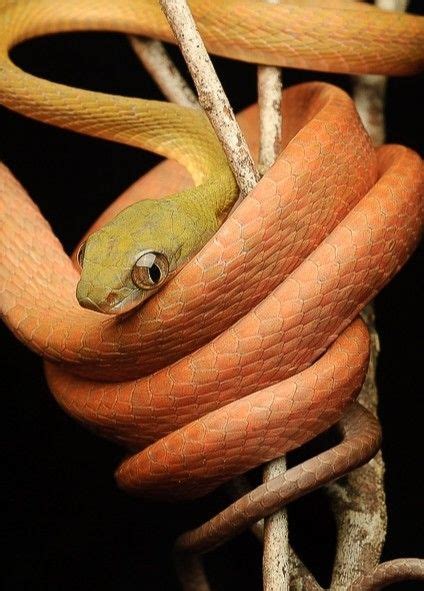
[[86, 302], [116, 302]]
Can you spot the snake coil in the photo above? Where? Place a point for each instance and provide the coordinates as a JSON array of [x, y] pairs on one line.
[[202, 387]]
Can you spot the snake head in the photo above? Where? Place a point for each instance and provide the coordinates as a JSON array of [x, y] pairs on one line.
[[133, 256]]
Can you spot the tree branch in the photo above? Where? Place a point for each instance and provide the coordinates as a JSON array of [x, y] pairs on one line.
[[211, 94], [162, 69], [359, 501], [276, 570]]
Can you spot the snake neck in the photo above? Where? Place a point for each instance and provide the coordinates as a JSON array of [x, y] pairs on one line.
[[179, 133]]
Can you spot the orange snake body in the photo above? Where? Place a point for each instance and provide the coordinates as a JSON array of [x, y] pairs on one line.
[[253, 348]]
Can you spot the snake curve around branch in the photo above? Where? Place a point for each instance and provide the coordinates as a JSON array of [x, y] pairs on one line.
[[204, 390]]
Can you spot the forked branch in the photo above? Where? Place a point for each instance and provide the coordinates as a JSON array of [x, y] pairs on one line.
[[275, 563], [211, 94]]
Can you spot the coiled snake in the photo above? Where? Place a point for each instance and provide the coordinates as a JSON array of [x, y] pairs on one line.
[[252, 348]]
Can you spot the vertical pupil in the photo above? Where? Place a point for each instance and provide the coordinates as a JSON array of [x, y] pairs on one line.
[[154, 274]]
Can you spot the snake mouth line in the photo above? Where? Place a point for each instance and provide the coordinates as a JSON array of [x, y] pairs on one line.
[[128, 303], [125, 305], [116, 309]]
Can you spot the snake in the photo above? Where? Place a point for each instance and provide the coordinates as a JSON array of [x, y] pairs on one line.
[[205, 341]]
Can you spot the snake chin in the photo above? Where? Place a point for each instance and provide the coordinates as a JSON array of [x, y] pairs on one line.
[[116, 303]]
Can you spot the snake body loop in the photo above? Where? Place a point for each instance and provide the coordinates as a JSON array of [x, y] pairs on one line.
[[253, 347]]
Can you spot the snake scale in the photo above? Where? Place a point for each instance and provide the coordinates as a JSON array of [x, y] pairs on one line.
[[253, 347]]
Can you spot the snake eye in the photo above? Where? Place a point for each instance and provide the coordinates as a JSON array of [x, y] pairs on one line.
[[150, 270], [80, 254]]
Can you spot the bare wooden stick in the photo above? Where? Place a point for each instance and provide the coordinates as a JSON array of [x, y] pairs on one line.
[[216, 105], [162, 69], [399, 5], [359, 502], [369, 90], [270, 121], [275, 562], [300, 577], [211, 94], [368, 93], [276, 571]]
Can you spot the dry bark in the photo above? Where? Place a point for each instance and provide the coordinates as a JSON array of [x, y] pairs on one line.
[[276, 569], [211, 94], [157, 62]]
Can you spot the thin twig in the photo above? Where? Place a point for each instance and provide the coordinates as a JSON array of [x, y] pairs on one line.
[[211, 94], [395, 5], [275, 562], [162, 69], [368, 93], [157, 62], [300, 577], [270, 119], [276, 569], [359, 501], [369, 90], [216, 105]]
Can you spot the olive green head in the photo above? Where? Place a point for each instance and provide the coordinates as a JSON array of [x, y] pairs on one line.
[[131, 257]]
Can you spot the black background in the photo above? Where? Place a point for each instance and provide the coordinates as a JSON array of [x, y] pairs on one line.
[[67, 525]]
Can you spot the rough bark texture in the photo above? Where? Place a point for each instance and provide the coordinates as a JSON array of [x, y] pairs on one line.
[[368, 94], [300, 577], [157, 62], [211, 94], [276, 574], [275, 563], [358, 500]]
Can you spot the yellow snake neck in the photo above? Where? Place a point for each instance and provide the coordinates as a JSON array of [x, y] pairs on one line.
[[169, 130], [254, 31]]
